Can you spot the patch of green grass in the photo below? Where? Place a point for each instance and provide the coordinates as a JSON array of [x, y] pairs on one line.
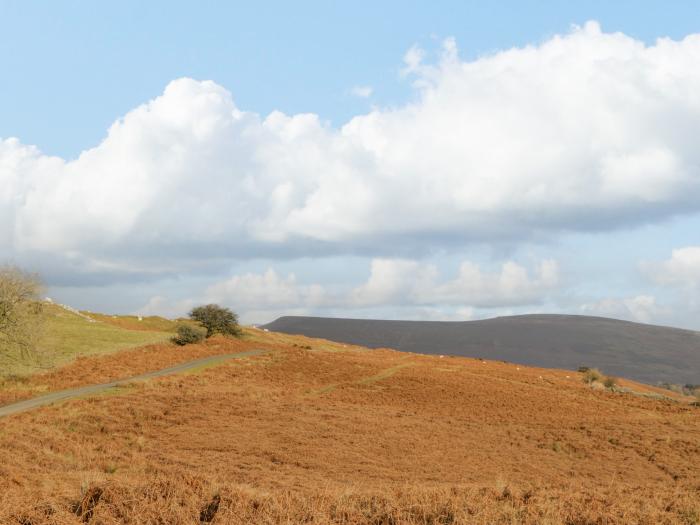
[[152, 323], [66, 336]]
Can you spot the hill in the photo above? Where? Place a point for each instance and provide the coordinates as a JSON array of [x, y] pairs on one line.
[[643, 352], [68, 333], [312, 431]]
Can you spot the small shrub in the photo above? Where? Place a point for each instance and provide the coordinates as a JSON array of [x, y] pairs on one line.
[[592, 375], [678, 389], [610, 382], [188, 334], [686, 390]]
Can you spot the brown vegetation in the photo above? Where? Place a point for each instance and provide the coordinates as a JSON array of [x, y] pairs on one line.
[[20, 313], [316, 432]]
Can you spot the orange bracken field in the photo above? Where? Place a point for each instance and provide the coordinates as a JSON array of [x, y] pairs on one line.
[[319, 432]]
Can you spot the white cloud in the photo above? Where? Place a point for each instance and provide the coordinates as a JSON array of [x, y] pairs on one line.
[[409, 282], [408, 289], [681, 269], [159, 305], [255, 291], [394, 281], [586, 131], [362, 91], [640, 308]]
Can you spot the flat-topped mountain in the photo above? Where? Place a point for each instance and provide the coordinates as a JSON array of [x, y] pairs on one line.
[[638, 351]]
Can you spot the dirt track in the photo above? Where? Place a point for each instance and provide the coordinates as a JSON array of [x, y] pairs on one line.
[[71, 393]]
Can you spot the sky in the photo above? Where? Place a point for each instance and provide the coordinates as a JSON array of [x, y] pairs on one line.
[[402, 160]]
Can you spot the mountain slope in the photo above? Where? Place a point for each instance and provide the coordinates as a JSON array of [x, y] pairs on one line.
[[67, 334], [310, 431], [638, 351]]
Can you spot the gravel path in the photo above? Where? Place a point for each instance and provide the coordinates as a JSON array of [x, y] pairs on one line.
[[71, 393]]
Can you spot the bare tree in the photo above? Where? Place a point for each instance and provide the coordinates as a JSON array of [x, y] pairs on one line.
[[20, 311]]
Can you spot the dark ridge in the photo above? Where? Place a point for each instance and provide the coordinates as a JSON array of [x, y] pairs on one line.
[[646, 353]]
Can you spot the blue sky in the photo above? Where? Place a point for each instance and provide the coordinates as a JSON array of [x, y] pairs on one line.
[[278, 236], [87, 63]]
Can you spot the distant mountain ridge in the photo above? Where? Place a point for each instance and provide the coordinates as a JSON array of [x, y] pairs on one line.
[[647, 353]]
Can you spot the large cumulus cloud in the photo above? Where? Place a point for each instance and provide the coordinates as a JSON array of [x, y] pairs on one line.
[[586, 131]]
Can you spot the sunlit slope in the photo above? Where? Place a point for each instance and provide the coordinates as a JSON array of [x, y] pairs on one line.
[[323, 432], [66, 335], [639, 351]]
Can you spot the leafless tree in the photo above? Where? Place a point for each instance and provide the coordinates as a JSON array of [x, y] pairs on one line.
[[20, 312]]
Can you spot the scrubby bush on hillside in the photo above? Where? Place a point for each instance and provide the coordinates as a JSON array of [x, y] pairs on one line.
[[20, 311], [610, 382], [216, 319], [592, 375], [187, 334], [686, 390]]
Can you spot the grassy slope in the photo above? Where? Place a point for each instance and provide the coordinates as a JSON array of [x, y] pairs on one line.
[[332, 433], [67, 336], [131, 322]]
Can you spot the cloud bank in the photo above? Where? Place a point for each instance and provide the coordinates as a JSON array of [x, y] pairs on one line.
[[410, 282], [640, 308], [416, 289], [585, 131]]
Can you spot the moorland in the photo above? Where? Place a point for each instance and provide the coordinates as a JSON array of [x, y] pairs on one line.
[[314, 431]]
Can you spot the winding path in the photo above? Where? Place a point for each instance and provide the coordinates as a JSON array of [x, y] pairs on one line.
[[71, 393]]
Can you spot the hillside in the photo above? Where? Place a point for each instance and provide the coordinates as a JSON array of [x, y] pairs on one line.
[[312, 431], [643, 352], [67, 334]]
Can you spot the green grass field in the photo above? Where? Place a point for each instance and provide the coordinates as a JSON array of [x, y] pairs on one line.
[[66, 336]]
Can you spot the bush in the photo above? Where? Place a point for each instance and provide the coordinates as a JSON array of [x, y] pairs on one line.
[[610, 382], [187, 334], [591, 375], [686, 390], [216, 319]]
